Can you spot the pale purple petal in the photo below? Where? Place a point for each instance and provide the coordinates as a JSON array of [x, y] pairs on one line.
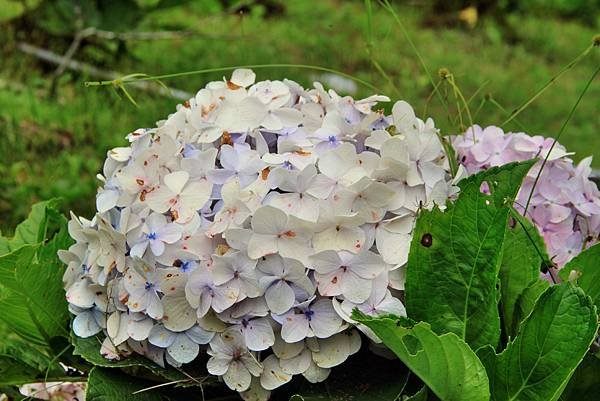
[[280, 297], [325, 321], [161, 337], [294, 327], [258, 334]]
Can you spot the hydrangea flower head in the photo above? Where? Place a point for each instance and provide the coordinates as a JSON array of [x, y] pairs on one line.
[[248, 224], [565, 203]]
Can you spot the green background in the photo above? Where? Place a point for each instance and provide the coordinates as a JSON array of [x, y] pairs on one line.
[[54, 132]]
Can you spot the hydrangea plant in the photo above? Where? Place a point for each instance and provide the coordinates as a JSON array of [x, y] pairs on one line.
[[265, 231], [564, 204]]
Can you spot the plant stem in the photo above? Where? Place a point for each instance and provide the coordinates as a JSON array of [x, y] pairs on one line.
[[562, 129], [525, 104], [231, 68]]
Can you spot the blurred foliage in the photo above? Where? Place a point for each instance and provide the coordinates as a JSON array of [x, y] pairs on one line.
[[62, 16], [57, 22], [54, 143], [11, 9], [584, 10]]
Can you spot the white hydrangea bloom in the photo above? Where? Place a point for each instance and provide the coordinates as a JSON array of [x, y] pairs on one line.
[[283, 281], [248, 225], [231, 359]]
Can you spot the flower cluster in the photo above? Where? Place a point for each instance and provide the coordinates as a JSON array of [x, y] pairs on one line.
[[54, 391], [248, 225], [565, 204]]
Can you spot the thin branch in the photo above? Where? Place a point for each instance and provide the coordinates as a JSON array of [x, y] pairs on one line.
[[562, 129], [548, 84], [126, 81], [74, 65], [160, 385], [163, 35]]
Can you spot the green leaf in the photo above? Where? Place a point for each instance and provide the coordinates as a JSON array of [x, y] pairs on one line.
[[520, 267], [552, 341], [34, 229], [14, 312], [32, 301], [587, 272], [584, 384], [21, 363], [455, 257], [445, 363], [528, 298], [14, 372], [37, 359], [4, 245], [423, 395], [89, 349], [535, 239], [113, 385], [10, 261]]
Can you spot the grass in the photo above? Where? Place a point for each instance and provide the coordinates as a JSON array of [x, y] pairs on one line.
[[55, 145]]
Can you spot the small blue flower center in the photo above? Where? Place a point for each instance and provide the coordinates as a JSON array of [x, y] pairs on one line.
[[309, 314], [148, 286], [186, 266], [152, 236], [332, 139]]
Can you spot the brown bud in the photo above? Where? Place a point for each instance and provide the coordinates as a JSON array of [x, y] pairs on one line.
[[444, 73]]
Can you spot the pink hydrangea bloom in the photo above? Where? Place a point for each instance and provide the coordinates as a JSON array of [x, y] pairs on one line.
[[55, 391], [565, 204]]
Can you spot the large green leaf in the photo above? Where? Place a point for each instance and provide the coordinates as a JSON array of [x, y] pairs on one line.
[[587, 272], [18, 314], [528, 299], [522, 258], [112, 385], [424, 394], [32, 301], [455, 257], [34, 229], [533, 237], [9, 262], [585, 382], [445, 363], [22, 363], [16, 372], [550, 344], [38, 359], [4, 245]]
